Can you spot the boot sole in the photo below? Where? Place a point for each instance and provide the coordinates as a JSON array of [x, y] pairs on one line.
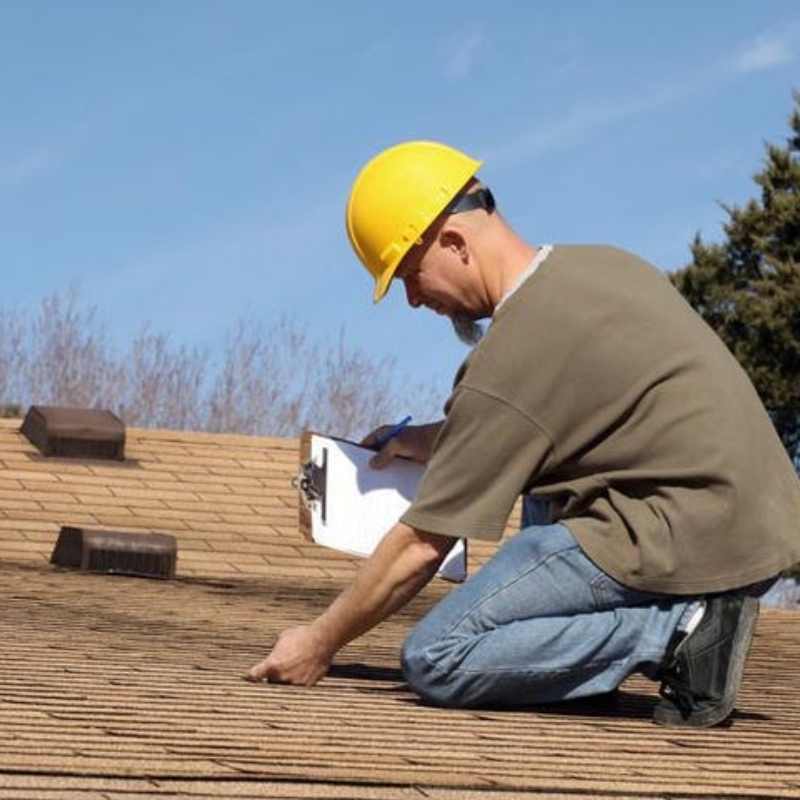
[[667, 714]]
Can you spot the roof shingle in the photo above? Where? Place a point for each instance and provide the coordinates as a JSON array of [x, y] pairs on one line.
[[118, 688]]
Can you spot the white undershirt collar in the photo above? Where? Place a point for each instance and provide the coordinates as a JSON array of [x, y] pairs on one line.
[[541, 254]]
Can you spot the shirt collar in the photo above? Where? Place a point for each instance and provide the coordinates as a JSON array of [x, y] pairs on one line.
[[537, 261]]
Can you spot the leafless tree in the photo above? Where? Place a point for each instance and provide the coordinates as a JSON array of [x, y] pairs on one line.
[[63, 355], [277, 381], [263, 377], [271, 380], [12, 359], [162, 386], [352, 391]]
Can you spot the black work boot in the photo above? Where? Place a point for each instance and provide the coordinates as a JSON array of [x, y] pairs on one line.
[[702, 670]]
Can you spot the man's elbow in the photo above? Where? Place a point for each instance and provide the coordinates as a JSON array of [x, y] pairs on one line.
[[427, 550]]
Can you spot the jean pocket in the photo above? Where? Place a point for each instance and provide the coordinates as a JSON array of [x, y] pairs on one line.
[[608, 593], [604, 592]]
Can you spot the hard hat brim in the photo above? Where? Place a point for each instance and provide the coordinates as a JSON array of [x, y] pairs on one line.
[[383, 283]]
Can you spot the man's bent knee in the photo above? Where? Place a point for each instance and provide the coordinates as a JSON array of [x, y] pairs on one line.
[[426, 677]]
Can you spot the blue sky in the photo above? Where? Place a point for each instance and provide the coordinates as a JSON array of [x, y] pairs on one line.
[[187, 163]]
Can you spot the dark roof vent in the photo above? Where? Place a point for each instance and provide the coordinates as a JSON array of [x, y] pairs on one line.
[[75, 432], [150, 555]]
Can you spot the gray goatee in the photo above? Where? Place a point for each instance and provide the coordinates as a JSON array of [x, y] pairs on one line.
[[468, 330]]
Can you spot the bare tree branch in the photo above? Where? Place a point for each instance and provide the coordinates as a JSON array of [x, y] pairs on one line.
[[270, 380]]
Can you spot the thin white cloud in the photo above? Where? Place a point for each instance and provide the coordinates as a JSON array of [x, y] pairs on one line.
[[581, 121], [585, 118], [462, 53], [24, 167], [765, 52]]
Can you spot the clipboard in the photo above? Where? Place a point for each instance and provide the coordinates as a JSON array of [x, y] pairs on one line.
[[348, 506]]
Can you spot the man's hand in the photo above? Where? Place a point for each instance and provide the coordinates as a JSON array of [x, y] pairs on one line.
[[414, 441], [404, 561], [300, 656]]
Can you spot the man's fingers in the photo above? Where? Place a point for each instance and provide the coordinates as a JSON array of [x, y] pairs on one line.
[[261, 671], [380, 461], [385, 456], [300, 657], [371, 439], [387, 452]]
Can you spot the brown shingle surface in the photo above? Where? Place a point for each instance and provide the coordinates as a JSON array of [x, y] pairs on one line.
[[122, 687], [122, 679], [228, 500]]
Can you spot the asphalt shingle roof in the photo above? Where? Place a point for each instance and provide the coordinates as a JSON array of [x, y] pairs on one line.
[[116, 687]]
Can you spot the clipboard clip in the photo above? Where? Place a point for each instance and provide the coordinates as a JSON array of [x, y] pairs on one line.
[[312, 483]]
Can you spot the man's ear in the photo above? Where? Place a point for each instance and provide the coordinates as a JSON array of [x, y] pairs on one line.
[[452, 239]]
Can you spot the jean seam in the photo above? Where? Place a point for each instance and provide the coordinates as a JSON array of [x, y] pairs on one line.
[[507, 585], [603, 664]]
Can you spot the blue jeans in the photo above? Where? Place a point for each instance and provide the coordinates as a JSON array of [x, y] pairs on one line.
[[538, 623]]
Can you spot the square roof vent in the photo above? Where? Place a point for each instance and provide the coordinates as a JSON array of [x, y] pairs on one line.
[[75, 432], [149, 555]]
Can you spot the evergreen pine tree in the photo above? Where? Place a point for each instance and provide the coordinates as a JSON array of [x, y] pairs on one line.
[[747, 288]]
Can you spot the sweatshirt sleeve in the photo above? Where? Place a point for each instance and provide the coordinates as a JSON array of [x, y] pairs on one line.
[[486, 454]]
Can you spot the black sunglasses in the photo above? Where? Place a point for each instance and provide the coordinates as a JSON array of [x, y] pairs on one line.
[[483, 198]]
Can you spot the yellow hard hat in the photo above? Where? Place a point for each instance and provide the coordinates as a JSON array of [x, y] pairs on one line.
[[396, 197]]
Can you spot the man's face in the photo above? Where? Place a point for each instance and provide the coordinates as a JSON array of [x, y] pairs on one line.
[[435, 276]]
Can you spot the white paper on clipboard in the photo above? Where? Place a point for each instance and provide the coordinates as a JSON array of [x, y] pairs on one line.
[[361, 504]]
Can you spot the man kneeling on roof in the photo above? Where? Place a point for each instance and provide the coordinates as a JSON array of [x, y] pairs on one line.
[[659, 501]]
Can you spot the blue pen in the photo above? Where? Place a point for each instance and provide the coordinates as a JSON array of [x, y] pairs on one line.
[[390, 434]]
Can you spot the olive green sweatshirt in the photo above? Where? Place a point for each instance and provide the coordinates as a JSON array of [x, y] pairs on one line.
[[599, 389]]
